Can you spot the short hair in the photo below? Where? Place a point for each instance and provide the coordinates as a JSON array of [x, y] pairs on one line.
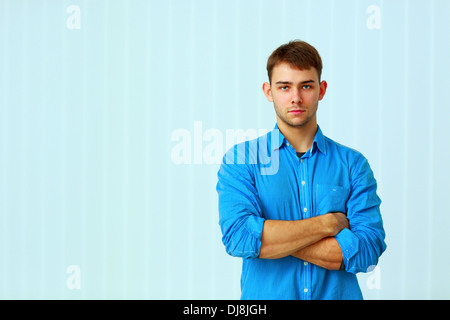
[[299, 54]]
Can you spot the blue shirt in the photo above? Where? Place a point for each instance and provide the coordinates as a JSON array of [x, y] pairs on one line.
[[265, 179]]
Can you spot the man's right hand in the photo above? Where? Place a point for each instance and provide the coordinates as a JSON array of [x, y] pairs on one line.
[[338, 221]]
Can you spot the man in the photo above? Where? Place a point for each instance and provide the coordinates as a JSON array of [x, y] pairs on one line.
[[308, 225]]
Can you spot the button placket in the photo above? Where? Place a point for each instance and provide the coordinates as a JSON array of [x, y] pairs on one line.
[[305, 207]]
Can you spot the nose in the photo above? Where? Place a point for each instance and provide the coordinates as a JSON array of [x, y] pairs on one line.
[[296, 97]]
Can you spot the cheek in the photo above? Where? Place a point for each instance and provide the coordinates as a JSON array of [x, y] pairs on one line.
[[282, 99], [311, 97], [276, 101]]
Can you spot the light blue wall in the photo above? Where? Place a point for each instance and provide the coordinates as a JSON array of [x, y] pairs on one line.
[[92, 114]]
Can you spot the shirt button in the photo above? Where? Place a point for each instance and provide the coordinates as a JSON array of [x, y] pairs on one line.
[[301, 160], [305, 290], [305, 263], [303, 183], [305, 210]]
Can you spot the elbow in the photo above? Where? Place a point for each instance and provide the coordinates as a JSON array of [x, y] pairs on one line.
[[370, 253], [239, 251], [375, 247], [242, 237], [242, 246]]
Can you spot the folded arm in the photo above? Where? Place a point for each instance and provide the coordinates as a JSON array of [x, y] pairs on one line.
[[325, 253], [300, 237]]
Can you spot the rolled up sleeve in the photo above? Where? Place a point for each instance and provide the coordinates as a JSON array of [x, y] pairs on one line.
[[240, 217], [364, 243]]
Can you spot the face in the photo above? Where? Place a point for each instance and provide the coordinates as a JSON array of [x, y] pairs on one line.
[[295, 94]]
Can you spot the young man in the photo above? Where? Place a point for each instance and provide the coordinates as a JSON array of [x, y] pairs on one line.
[[308, 225]]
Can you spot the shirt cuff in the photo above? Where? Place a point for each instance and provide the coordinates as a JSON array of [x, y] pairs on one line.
[[349, 244], [255, 227]]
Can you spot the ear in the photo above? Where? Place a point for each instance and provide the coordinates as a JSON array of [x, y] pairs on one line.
[[323, 89], [267, 91]]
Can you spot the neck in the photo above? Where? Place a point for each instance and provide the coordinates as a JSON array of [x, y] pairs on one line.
[[302, 137]]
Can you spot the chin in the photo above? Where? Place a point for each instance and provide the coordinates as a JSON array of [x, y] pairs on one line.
[[295, 124]]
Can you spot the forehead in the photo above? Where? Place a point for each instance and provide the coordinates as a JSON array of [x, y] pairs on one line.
[[285, 72]]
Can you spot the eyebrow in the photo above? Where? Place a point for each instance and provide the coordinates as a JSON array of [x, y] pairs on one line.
[[289, 82]]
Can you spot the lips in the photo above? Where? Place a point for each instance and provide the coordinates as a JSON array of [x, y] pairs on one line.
[[297, 111]]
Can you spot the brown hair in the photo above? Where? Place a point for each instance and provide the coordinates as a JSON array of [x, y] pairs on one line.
[[298, 54]]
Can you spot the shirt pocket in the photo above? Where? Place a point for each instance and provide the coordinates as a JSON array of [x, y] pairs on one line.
[[331, 198]]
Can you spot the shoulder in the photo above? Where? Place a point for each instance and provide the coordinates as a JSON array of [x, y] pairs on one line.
[[338, 148], [246, 152], [354, 159], [358, 167]]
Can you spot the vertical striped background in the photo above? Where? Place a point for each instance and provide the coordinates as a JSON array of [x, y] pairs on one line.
[[87, 117]]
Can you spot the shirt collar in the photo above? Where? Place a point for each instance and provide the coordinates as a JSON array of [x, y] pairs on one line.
[[277, 143], [319, 140]]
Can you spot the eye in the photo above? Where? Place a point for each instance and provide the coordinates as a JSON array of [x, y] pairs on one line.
[[306, 86], [284, 88]]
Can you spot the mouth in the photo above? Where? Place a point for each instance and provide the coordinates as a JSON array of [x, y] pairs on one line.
[[297, 111]]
